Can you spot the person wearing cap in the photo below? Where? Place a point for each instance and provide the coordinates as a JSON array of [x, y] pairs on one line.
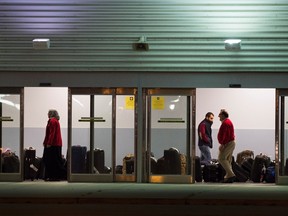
[[226, 139]]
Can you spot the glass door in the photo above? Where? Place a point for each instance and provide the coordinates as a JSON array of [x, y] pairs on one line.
[[101, 137], [281, 148], [170, 135], [11, 134]]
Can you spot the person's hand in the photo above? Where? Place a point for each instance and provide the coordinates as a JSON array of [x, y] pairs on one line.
[[221, 147]]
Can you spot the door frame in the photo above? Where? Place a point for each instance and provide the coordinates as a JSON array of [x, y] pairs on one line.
[[190, 135], [112, 177], [280, 177], [16, 177]]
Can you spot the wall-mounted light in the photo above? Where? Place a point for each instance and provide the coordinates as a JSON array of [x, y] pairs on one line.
[[141, 45], [232, 45], [41, 44]]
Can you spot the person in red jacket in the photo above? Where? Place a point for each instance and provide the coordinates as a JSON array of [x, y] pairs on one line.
[[52, 156], [226, 139]]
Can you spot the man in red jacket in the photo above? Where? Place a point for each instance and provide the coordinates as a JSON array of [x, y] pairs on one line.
[[52, 155], [226, 139]]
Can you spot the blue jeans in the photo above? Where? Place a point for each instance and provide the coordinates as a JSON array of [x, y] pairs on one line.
[[205, 155]]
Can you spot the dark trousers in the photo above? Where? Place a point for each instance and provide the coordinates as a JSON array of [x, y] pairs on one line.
[[54, 167]]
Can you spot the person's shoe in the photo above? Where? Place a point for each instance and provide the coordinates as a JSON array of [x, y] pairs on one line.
[[229, 180]]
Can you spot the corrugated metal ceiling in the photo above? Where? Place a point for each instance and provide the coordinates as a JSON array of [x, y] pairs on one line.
[[183, 35]]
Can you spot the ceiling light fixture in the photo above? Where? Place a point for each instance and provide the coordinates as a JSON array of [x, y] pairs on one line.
[[232, 44], [41, 44]]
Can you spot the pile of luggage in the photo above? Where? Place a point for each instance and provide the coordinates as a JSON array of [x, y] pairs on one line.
[[247, 168]]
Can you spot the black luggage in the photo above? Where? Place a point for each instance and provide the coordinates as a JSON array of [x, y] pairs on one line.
[[198, 169], [78, 159], [153, 163], [128, 164], [241, 156], [241, 174], [213, 172], [161, 166], [286, 167], [99, 160], [172, 161], [260, 162], [30, 170], [39, 164], [10, 163], [210, 173], [247, 164], [118, 169]]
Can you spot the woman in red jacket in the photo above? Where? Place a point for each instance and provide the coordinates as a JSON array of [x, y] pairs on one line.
[[52, 156]]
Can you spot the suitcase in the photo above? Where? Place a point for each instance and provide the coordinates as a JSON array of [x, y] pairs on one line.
[[78, 159], [99, 160], [128, 164], [260, 162], [286, 167], [247, 164], [172, 161], [119, 169], [153, 164], [241, 174], [10, 163], [198, 170], [269, 175], [30, 170], [37, 169], [241, 156], [39, 164], [161, 166], [210, 173]]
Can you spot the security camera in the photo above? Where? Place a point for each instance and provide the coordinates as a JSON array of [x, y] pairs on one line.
[[141, 45]]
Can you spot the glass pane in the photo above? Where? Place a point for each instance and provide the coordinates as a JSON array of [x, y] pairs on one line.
[[103, 133], [168, 134], [91, 130], [125, 158], [10, 132]]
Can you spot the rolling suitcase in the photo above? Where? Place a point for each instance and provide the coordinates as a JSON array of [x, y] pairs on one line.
[[198, 170], [161, 166], [247, 164], [99, 160], [260, 162], [128, 164], [78, 159], [241, 174], [30, 170], [172, 161]]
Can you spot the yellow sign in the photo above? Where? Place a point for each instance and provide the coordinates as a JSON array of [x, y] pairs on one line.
[[129, 102], [158, 103]]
